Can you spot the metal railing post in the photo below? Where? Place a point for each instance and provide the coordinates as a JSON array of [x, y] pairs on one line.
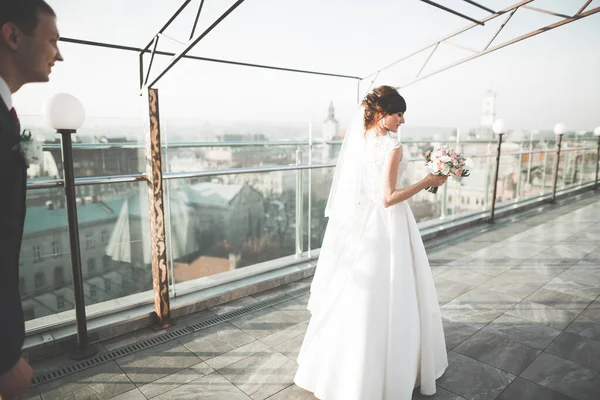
[[529, 163], [566, 167], [84, 349], [518, 196], [581, 166], [486, 197], [299, 207], [309, 211], [597, 164], [498, 152], [558, 146], [544, 167]]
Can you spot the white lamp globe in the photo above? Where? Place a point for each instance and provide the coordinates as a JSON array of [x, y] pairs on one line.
[[498, 126], [559, 129], [64, 112], [597, 131]]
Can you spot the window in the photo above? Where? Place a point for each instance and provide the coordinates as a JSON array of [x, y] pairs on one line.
[[59, 276], [89, 241], [55, 248], [40, 280], [37, 252], [104, 237], [60, 302], [108, 285], [93, 291], [91, 264], [106, 262]]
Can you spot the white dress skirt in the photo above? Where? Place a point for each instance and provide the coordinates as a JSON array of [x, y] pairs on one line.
[[376, 329]]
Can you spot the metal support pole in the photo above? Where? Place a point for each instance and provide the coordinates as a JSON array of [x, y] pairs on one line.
[[196, 20], [597, 163], [558, 146], [498, 152], [84, 349]]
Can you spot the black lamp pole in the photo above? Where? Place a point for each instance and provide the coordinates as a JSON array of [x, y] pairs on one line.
[[84, 349]]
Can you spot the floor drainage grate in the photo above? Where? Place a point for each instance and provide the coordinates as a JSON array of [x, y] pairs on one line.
[[164, 338]]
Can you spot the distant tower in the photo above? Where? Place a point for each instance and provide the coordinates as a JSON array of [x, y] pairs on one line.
[[330, 131], [330, 125], [488, 109]]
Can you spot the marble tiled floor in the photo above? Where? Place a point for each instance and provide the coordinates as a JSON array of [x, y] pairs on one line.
[[521, 313]]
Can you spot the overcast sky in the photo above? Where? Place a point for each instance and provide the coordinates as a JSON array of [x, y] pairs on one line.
[[553, 77]]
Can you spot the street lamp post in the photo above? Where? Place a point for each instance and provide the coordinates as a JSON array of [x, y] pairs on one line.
[[66, 114]]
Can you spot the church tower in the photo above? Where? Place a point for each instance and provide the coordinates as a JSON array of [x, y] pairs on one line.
[[329, 131], [330, 125]]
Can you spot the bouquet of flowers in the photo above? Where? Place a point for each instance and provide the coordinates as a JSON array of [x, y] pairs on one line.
[[445, 162], [30, 148]]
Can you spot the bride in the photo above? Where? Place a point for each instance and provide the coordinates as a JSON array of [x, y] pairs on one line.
[[376, 330]]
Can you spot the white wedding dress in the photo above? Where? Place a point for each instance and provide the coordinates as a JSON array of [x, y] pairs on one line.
[[376, 329]]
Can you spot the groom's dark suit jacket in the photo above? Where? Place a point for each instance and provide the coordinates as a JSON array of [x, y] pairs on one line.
[[13, 178]]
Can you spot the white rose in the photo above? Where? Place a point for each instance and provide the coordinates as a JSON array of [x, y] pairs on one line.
[[32, 151]]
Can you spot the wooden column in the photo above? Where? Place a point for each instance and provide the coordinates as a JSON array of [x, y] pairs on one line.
[[160, 275]]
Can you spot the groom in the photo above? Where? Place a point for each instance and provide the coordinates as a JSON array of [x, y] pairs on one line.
[[28, 50]]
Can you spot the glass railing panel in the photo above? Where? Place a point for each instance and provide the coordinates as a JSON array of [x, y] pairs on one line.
[[228, 222], [101, 147], [115, 251], [532, 169], [45, 267], [321, 180]]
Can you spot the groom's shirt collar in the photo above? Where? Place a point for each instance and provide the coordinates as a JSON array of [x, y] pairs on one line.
[[5, 94]]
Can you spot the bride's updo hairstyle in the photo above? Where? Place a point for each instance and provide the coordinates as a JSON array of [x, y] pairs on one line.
[[382, 101]]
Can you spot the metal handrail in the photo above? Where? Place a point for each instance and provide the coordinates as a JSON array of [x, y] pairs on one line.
[[248, 170], [140, 177], [50, 184], [174, 145]]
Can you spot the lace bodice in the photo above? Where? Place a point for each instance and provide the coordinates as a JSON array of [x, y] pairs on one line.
[[376, 152]]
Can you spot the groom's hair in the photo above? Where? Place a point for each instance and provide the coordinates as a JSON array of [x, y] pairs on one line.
[[23, 13]]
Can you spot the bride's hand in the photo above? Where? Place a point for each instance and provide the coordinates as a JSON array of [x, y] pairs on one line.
[[436, 180]]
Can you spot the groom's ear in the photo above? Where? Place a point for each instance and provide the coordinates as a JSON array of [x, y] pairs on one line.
[[9, 36]]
